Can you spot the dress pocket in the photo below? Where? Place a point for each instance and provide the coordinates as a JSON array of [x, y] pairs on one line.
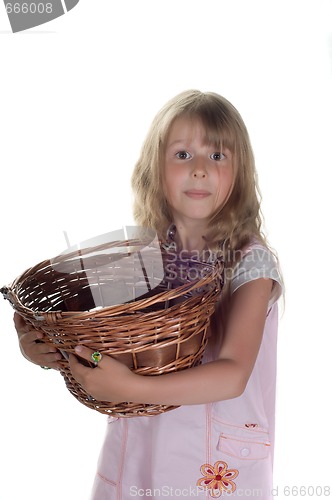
[[245, 442], [243, 448]]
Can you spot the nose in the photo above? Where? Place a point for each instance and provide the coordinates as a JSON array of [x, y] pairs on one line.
[[199, 170]]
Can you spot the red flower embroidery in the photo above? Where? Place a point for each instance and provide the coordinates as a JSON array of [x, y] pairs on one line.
[[218, 478]]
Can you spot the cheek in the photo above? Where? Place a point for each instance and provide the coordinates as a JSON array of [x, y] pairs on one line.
[[172, 179], [230, 179], [226, 180], [166, 184], [169, 185]]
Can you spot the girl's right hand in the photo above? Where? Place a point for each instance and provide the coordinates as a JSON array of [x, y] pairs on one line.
[[32, 346]]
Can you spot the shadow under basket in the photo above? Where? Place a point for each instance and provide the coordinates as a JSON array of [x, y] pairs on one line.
[[164, 330]]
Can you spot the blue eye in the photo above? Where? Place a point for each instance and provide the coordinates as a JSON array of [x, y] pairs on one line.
[[217, 156], [183, 155]]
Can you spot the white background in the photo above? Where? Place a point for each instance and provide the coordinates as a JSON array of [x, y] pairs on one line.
[[76, 98]]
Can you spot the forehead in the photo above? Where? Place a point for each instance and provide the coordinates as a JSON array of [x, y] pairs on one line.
[[187, 129]]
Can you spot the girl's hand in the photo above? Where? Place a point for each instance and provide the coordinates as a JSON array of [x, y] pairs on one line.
[[32, 346], [110, 380]]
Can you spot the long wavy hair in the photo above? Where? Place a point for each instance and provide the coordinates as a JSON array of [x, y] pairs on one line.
[[239, 220]]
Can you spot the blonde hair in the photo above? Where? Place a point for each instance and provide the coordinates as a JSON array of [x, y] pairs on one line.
[[239, 219]]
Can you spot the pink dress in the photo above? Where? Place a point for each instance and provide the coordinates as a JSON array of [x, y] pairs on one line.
[[204, 451]]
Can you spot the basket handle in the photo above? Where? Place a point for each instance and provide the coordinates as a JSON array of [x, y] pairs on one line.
[[8, 295]]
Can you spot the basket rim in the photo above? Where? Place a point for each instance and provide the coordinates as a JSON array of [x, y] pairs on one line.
[[9, 293]]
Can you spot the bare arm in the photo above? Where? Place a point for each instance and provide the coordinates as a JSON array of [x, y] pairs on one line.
[[224, 378]]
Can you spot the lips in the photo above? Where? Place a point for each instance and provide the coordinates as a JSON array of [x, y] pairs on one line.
[[197, 194]]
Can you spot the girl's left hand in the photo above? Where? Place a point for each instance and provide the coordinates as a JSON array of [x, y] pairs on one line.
[[110, 380]]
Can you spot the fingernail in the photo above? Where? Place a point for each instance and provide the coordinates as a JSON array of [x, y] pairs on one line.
[[78, 348]]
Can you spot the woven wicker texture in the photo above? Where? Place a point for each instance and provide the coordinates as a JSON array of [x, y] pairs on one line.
[[162, 331]]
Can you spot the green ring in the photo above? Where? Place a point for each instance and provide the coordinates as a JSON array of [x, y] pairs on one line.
[[96, 357]]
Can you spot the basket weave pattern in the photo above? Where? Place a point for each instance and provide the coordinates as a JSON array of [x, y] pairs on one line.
[[161, 332]]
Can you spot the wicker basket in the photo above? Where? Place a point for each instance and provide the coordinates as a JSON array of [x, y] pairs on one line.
[[162, 331]]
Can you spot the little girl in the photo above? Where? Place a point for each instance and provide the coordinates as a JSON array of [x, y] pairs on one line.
[[195, 184]]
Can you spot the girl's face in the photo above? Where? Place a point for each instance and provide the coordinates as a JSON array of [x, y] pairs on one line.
[[197, 176]]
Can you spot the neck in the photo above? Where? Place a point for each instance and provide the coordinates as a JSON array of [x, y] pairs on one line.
[[190, 239]]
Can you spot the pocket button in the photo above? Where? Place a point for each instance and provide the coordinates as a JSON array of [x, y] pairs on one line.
[[245, 452]]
